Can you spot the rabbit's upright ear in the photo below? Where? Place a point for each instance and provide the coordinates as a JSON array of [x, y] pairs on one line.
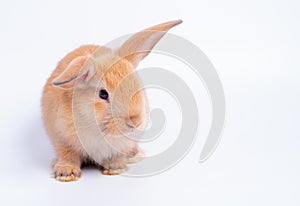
[[140, 45], [79, 71]]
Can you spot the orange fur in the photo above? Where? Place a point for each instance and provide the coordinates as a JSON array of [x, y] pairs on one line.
[[73, 88]]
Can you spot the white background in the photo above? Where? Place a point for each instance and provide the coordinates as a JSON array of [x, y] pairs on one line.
[[254, 46]]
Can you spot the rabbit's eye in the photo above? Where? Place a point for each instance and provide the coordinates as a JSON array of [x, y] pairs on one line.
[[103, 94]]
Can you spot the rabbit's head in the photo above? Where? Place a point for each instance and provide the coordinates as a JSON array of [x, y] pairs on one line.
[[106, 81]]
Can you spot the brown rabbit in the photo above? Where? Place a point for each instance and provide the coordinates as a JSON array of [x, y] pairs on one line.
[[88, 107]]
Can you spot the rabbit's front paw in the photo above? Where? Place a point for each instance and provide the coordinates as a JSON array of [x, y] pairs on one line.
[[66, 172], [114, 171], [114, 166]]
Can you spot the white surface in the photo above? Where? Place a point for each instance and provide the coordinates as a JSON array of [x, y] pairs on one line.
[[255, 48]]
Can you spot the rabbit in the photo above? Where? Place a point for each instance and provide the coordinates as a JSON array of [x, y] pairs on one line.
[[78, 105]]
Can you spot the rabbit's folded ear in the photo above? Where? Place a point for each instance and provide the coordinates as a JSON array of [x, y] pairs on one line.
[[79, 71], [139, 45]]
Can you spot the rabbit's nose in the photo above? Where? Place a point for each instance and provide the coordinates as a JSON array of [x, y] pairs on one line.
[[134, 121]]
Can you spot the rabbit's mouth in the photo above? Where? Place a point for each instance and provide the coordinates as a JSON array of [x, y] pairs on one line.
[[131, 128], [119, 128]]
